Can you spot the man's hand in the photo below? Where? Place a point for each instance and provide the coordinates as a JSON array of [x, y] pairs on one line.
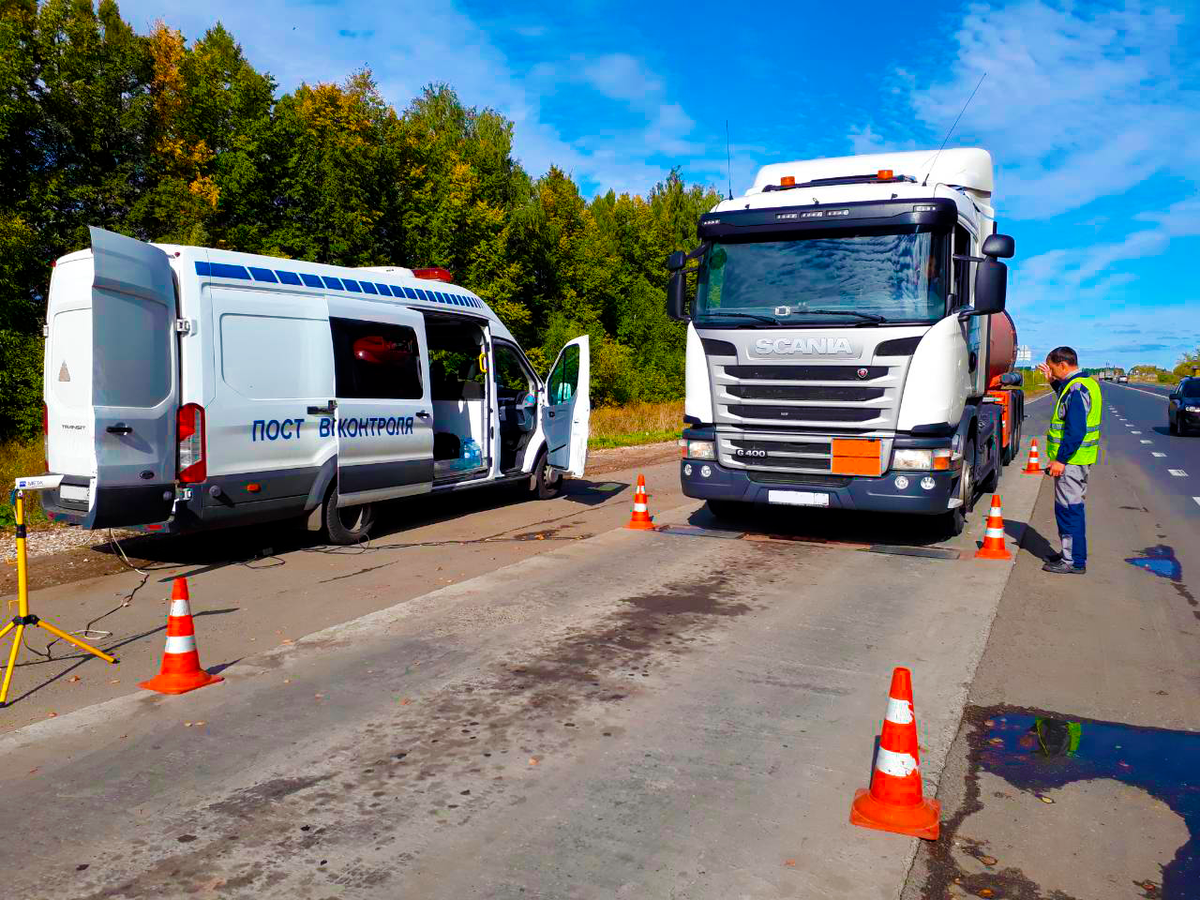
[[1055, 469], [1045, 370]]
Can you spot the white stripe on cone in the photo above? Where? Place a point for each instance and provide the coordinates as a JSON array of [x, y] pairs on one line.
[[994, 533], [179, 607], [185, 643], [900, 765], [639, 507], [899, 712]]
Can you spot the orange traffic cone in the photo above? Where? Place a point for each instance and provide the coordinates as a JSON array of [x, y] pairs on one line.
[[180, 670], [1034, 466], [993, 538], [894, 801], [641, 520]]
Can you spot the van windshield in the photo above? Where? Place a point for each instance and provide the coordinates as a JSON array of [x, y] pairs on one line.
[[899, 277]]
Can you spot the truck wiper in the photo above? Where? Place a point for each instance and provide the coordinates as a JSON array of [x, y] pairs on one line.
[[739, 315], [870, 317]]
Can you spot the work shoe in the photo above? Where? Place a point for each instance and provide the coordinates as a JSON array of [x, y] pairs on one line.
[[1061, 568], [1053, 557]]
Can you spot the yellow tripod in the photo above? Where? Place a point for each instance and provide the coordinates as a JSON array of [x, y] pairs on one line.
[[24, 617]]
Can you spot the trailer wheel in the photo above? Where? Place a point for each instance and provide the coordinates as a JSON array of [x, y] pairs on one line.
[[347, 524]]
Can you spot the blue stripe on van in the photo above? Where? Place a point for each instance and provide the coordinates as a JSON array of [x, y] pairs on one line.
[[279, 276]]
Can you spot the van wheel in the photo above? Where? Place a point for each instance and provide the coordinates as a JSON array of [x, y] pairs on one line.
[[347, 524], [546, 482]]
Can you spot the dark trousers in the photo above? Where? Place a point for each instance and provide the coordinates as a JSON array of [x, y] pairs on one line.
[[1070, 491]]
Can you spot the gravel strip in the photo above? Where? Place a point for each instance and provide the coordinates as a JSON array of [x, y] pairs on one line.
[[55, 539]]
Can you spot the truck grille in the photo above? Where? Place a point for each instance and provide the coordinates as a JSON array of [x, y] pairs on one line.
[[803, 392]]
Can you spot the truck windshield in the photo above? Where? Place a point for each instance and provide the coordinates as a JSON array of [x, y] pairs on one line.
[[853, 278]]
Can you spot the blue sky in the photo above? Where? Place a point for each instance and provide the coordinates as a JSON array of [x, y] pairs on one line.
[[1091, 111]]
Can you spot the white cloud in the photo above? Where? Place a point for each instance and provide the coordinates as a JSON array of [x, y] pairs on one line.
[[1074, 106]]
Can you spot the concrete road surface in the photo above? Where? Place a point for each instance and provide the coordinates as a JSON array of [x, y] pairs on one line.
[[622, 714]]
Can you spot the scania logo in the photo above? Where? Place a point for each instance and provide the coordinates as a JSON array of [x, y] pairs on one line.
[[816, 346]]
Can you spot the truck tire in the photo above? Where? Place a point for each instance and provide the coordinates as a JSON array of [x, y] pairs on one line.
[[993, 480], [955, 520], [546, 484], [347, 524]]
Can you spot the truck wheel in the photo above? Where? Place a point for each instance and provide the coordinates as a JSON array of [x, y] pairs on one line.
[[347, 524], [993, 480], [725, 509], [956, 519], [546, 482]]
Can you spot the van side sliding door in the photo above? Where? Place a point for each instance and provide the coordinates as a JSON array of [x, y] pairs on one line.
[[384, 417]]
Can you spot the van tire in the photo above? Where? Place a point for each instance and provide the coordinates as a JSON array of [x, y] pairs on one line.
[[546, 484], [349, 524]]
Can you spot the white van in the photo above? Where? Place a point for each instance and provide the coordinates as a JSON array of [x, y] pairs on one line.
[[190, 388]]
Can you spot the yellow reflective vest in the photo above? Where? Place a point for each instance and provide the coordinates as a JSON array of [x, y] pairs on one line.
[[1089, 451]]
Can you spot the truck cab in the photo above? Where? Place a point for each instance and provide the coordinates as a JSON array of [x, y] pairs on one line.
[[838, 345]]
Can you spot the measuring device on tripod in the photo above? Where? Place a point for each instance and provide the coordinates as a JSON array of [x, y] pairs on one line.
[[24, 618]]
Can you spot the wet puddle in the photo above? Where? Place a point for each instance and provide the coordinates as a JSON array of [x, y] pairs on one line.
[[1040, 754], [1160, 560]]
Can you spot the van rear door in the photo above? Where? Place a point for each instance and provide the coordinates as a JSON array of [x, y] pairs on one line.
[[567, 410], [135, 382]]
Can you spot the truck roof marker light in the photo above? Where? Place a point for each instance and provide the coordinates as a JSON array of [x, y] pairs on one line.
[[787, 181], [434, 273], [886, 175]]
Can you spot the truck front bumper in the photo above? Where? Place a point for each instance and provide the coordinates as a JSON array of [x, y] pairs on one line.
[[859, 493]]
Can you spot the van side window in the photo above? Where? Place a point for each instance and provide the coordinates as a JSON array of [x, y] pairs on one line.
[[565, 378], [375, 360], [511, 374]]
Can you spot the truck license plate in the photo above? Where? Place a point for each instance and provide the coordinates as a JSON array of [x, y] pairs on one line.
[[798, 498]]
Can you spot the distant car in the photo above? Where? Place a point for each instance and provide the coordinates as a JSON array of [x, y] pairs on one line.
[[1122, 379], [1183, 410]]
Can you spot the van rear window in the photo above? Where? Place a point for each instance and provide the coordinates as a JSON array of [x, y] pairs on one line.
[[376, 360]]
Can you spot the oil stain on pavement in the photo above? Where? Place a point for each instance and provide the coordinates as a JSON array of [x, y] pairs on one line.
[[1160, 560], [1039, 754]]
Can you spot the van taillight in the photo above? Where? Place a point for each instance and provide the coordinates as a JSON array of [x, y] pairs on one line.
[[46, 437], [192, 465]]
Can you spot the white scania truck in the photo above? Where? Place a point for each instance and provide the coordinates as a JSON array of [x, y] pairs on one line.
[[840, 340], [190, 388]]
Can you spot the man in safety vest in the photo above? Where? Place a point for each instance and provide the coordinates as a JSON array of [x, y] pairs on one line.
[[1072, 446]]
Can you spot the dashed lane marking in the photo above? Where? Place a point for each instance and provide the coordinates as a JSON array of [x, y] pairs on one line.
[[1135, 432], [1147, 442], [1197, 499], [1159, 455], [1178, 473]]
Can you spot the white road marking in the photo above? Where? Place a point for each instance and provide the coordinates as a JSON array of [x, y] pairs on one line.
[[1147, 442], [1159, 455], [1135, 432], [1197, 499], [1143, 391], [1178, 473]]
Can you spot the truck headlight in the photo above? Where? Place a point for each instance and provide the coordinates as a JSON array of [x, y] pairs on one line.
[[698, 449], [924, 460]]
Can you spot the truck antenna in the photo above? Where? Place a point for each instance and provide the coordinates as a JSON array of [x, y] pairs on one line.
[[728, 160], [951, 131]]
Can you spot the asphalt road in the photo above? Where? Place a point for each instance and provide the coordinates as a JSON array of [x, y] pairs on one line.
[[1113, 653], [614, 714], [466, 710], [1137, 431]]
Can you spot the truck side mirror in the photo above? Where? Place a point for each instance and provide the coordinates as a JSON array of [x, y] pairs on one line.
[[999, 246], [991, 286], [677, 295], [676, 260]]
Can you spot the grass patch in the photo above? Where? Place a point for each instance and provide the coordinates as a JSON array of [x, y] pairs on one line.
[[637, 423], [20, 458]]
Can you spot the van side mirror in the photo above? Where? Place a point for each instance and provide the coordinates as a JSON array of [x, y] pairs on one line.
[[999, 246], [991, 286], [677, 296], [676, 260]]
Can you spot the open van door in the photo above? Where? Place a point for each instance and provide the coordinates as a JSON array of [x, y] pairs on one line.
[[135, 385], [567, 409]]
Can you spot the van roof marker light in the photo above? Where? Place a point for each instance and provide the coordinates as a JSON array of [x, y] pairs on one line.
[[434, 273], [787, 181]]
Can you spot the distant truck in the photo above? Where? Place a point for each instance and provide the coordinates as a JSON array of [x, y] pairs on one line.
[[847, 344]]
